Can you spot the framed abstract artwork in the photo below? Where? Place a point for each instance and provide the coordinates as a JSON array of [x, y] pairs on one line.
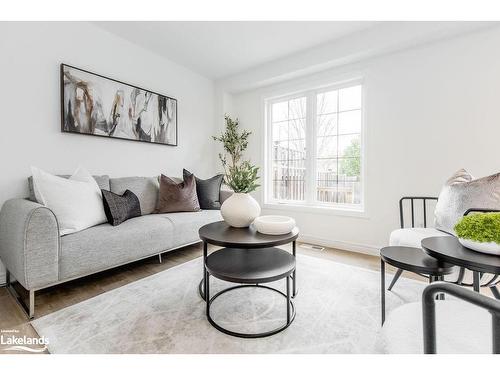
[[96, 105]]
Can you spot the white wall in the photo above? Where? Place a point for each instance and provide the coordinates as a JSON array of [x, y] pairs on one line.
[[429, 111], [30, 106]]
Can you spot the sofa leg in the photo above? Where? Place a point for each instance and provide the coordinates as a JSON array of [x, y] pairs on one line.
[[159, 257], [31, 313], [29, 309]]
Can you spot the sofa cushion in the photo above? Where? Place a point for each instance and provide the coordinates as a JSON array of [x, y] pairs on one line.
[[187, 224], [76, 201], [119, 208], [177, 197], [104, 246], [102, 182], [208, 190], [145, 188], [460, 328], [412, 236], [462, 192]]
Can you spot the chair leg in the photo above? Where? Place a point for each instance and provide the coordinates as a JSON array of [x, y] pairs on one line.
[[382, 289], [395, 278], [495, 292]]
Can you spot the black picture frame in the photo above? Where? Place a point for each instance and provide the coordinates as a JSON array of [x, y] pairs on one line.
[[65, 129]]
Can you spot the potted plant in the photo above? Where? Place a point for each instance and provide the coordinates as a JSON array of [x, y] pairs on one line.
[[241, 209], [480, 232]]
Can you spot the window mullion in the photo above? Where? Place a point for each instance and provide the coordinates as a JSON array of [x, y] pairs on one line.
[[310, 180]]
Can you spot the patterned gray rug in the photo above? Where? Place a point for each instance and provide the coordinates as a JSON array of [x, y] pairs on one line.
[[338, 311]]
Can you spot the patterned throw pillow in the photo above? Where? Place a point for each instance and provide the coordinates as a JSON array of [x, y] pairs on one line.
[[119, 208], [462, 192], [208, 191], [177, 197]]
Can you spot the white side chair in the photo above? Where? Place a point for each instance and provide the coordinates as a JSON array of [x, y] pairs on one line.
[[470, 323], [415, 210]]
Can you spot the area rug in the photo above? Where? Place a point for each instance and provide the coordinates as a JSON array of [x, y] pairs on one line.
[[338, 311]]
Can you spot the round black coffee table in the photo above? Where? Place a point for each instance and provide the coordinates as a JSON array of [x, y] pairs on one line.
[[448, 249], [252, 268], [222, 234], [248, 258]]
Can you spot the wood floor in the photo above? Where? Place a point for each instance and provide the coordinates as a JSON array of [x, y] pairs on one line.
[[70, 293]]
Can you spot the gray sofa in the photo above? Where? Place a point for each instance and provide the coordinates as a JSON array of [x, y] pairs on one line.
[[37, 257]]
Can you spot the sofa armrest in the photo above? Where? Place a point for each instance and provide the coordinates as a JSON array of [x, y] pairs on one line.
[[29, 243], [224, 194]]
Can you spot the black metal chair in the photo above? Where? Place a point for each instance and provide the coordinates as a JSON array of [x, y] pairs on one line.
[[429, 312], [490, 281]]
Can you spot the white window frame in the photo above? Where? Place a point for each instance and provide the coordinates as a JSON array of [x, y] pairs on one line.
[[310, 204]]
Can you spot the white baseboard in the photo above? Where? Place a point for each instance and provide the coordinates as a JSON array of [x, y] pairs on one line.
[[342, 245]]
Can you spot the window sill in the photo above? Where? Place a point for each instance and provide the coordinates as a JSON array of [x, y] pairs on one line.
[[322, 210]]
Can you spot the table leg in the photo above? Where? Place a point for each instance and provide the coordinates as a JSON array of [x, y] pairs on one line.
[[440, 296], [382, 288], [205, 250], [475, 281], [288, 312], [207, 291], [294, 252], [495, 292]]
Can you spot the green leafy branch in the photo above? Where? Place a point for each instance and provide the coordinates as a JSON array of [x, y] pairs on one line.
[[241, 176]]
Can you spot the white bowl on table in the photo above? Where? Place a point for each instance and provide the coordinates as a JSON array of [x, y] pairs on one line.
[[491, 248], [274, 224]]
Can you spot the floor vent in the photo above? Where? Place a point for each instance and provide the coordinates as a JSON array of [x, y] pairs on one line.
[[311, 247]]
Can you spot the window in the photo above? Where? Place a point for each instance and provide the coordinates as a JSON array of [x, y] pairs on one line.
[[315, 148]]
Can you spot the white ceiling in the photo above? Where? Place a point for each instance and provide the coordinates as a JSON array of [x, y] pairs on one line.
[[220, 49]]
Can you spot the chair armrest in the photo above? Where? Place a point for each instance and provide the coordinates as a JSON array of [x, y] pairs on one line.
[[480, 210], [29, 243], [429, 312]]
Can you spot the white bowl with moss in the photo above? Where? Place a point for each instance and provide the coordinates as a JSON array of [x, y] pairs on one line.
[[480, 232]]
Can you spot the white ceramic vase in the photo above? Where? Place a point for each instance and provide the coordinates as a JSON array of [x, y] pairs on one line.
[[240, 210]]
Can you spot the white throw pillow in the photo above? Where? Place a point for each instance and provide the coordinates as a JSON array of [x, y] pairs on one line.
[[462, 192], [76, 201]]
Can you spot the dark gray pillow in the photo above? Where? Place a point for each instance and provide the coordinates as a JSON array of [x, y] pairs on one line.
[[119, 208], [208, 191]]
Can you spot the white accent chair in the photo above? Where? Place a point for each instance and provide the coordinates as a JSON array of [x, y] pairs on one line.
[[413, 235], [470, 324]]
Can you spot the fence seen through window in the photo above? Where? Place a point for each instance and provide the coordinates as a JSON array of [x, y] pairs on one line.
[[335, 175]]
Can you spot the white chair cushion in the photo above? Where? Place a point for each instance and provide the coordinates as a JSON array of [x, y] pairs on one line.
[[460, 328], [412, 236]]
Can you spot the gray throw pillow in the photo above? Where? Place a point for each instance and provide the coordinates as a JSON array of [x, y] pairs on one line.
[[119, 208], [462, 192], [208, 191], [177, 197]]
